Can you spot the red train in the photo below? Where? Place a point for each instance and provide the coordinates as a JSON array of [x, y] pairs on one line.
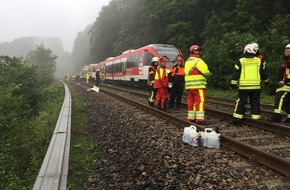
[[132, 66]]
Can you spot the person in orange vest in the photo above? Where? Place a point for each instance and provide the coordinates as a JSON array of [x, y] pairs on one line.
[[176, 76], [196, 73], [151, 76], [161, 84]]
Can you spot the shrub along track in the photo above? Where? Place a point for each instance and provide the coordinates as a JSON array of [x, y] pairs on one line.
[[142, 150]]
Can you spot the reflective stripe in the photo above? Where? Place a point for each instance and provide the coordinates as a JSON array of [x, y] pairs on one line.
[[195, 64], [191, 115], [239, 116], [199, 115], [250, 73], [255, 116], [279, 110], [151, 97]]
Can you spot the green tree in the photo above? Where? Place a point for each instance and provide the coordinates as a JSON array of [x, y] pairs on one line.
[[45, 61]]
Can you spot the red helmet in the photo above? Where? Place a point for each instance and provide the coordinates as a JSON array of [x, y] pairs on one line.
[[194, 48]]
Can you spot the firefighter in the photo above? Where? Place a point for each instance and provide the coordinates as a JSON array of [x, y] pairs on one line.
[[87, 77], [98, 77], [196, 73], [161, 84], [282, 98], [176, 77], [248, 74], [151, 76]]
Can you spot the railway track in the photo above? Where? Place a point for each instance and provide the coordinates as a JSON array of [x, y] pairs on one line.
[[262, 142]]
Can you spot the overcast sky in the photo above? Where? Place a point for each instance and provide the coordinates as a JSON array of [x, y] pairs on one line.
[[47, 18]]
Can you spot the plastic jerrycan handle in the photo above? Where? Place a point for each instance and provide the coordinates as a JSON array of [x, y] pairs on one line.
[[208, 130]]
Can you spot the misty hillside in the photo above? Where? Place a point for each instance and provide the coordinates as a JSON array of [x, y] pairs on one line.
[[20, 47]]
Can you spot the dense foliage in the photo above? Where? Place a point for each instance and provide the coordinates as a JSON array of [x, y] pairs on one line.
[[30, 100], [223, 27]]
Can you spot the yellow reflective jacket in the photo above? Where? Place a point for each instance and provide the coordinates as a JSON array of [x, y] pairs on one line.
[[249, 72], [196, 71]]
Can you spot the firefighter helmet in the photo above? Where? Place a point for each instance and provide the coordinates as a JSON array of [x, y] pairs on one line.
[[287, 46], [255, 46], [154, 59], [195, 48], [249, 48]]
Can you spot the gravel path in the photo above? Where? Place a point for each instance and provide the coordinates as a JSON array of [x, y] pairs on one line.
[[141, 151]]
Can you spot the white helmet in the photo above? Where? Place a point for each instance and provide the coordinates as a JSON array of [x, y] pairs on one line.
[[154, 59], [288, 46], [250, 49], [256, 46]]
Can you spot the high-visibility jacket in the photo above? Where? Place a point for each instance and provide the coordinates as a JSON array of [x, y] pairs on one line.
[[161, 78], [176, 75], [151, 74], [196, 71], [249, 72], [285, 75]]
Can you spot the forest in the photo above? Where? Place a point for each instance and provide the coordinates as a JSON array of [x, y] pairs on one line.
[[222, 27]]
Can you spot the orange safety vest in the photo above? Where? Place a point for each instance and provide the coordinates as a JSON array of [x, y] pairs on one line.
[[180, 71]]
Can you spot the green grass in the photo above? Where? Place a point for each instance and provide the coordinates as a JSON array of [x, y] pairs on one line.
[[233, 94], [83, 152]]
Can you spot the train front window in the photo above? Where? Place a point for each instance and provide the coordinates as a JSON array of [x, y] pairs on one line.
[[147, 59], [171, 52]]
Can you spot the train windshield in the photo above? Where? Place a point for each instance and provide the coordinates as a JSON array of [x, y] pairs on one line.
[[170, 51]]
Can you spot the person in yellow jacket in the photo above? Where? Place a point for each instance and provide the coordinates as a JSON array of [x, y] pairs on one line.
[[248, 74], [161, 84], [282, 98], [151, 77], [196, 71], [87, 77]]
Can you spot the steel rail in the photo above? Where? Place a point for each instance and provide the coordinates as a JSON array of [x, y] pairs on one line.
[[54, 169], [276, 163]]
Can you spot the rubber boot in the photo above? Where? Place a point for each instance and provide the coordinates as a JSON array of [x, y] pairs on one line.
[[158, 106], [151, 104], [275, 118], [165, 105]]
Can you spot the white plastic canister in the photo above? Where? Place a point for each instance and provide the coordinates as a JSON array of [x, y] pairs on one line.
[[191, 136], [204, 137], [213, 140]]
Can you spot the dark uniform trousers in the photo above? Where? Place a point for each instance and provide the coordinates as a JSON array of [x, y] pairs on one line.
[[152, 96], [282, 100], [254, 96], [176, 92]]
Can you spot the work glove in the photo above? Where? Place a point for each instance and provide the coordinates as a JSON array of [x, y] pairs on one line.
[[281, 83]]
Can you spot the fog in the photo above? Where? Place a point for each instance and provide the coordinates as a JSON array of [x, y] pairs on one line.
[[47, 18]]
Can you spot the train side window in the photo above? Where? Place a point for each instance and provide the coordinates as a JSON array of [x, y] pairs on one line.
[[137, 60], [130, 62], [147, 59]]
